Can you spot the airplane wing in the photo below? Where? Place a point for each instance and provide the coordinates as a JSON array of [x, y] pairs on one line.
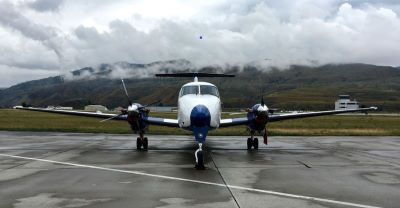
[[287, 116], [162, 121], [76, 113], [150, 120], [234, 122], [281, 117]]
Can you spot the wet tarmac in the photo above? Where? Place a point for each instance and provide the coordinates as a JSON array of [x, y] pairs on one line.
[[103, 170]]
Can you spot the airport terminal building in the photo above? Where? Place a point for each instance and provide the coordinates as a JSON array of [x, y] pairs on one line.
[[344, 103]]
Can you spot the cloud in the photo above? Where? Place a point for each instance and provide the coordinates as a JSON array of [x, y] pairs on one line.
[[21, 52], [346, 35], [128, 70], [261, 32], [21, 75], [46, 5], [11, 18]]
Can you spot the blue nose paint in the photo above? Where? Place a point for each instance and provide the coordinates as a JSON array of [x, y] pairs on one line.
[[200, 119], [200, 116]]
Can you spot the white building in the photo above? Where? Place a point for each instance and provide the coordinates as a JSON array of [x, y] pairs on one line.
[[95, 108], [344, 103], [59, 107]]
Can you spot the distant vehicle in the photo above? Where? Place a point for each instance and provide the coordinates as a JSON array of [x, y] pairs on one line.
[[199, 111]]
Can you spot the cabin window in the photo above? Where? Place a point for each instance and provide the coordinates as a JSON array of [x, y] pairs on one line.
[[209, 90], [186, 90]]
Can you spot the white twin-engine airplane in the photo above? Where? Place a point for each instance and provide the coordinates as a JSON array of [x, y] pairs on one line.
[[199, 111]]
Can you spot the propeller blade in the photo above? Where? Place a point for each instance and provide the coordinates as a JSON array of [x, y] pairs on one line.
[[158, 101], [262, 101], [111, 118], [126, 92]]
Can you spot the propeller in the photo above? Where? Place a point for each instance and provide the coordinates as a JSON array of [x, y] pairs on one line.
[[112, 117], [153, 103], [129, 100], [270, 110], [262, 107], [123, 112], [131, 106], [126, 92]]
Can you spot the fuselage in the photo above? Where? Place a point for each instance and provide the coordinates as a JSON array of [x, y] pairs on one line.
[[199, 108]]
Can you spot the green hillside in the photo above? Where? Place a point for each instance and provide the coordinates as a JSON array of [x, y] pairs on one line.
[[296, 88]]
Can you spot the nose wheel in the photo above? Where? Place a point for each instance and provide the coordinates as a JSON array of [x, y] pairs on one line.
[[199, 158]]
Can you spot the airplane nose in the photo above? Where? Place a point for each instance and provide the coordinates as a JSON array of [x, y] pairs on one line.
[[200, 116]]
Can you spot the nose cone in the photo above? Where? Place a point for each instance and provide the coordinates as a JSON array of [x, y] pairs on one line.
[[200, 116]]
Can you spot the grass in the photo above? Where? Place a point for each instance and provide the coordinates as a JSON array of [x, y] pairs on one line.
[[18, 120]]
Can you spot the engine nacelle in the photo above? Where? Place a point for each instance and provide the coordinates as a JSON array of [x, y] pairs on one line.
[[136, 113], [259, 116]]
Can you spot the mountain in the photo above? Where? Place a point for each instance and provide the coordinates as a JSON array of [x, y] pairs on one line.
[[298, 87]]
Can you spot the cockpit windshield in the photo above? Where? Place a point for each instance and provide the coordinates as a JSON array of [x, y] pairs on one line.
[[193, 89], [209, 90]]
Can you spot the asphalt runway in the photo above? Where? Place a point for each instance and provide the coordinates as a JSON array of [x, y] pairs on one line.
[[102, 170]]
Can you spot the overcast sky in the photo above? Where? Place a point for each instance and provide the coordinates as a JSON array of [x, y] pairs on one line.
[[41, 38]]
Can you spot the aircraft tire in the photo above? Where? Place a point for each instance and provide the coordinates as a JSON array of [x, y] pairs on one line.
[[145, 143], [255, 143], [249, 143], [138, 143]]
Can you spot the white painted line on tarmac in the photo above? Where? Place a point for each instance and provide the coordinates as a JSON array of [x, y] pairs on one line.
[[198, 182]]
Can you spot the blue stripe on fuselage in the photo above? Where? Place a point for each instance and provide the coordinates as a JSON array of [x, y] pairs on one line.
[[200, 119]]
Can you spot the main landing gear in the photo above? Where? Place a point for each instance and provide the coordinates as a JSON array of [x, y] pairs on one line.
[[142, 141], [199, 158], [252, 142]]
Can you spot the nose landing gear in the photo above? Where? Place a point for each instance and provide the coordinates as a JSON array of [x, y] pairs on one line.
[[199, 158]]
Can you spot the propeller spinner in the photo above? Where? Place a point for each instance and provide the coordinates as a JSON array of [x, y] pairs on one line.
[[262, 107]]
